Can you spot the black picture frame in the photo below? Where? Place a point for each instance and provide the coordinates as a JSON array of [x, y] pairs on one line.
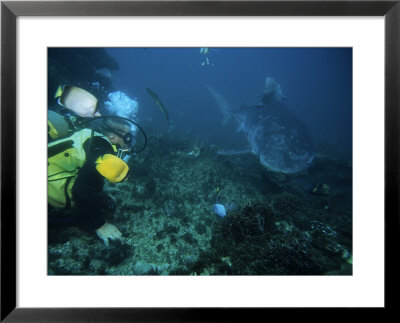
[[10, 10]]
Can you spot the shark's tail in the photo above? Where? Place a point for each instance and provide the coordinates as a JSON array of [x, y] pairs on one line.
[[222, 103]]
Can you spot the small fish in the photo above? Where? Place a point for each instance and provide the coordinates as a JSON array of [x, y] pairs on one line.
[[159, 104], [311, 186], [218, 191], [321, 189], [219, 209], [78, 100]]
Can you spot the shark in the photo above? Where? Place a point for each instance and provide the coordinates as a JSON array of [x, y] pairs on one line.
[[279, 139]]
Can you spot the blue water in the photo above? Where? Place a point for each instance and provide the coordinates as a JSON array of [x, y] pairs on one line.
[[278, 225], [316, 81]]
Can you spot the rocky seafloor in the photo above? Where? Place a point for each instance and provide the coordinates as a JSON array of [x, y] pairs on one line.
[[164, 211]]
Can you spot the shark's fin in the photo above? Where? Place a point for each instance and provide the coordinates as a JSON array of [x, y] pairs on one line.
[[222, 103], [272, 91]]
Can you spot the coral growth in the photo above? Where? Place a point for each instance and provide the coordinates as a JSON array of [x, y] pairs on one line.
[[165, 214]]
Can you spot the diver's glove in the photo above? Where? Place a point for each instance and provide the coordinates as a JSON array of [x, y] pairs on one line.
[[109, 231]]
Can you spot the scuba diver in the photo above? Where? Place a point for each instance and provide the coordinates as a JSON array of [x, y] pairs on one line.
[[80, 158]]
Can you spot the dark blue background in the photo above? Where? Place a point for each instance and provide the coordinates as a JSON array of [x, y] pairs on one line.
[[316, 81]]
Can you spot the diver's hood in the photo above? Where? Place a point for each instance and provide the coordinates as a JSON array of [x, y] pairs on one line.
[[129, 134]]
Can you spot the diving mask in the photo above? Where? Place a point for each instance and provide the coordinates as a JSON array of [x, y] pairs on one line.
[[124, 154], [127, 138]]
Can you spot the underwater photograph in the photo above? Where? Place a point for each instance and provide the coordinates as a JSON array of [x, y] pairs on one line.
[[200, 161]]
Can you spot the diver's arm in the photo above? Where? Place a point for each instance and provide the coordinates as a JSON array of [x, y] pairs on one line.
[[88, 186], [88, 195], [94, 204]]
